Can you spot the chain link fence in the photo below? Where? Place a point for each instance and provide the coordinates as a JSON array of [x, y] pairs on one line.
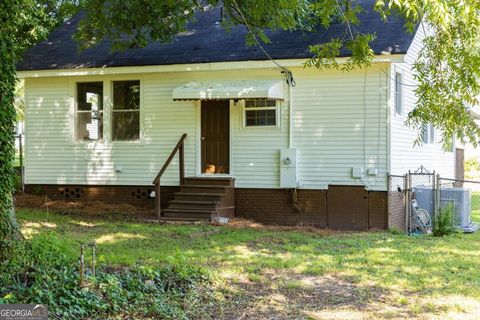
[[396, 202], [461, 200], [417, 200]]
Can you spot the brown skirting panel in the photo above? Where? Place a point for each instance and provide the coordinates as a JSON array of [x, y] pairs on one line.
[[377, 210], [320, 208], [274, 206], [134, 195]]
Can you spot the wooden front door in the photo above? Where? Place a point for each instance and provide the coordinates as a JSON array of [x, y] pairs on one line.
[[215, 136]]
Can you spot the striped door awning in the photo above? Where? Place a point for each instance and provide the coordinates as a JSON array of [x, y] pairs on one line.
[[237, 90]]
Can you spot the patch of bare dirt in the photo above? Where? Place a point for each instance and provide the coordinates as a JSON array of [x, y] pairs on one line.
[[288, 296], [83, 208], [240, 223], [283, 295]]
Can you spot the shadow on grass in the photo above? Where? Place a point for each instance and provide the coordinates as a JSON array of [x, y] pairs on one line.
[[343, 270]]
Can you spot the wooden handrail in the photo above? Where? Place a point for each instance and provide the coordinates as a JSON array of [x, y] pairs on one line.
[[181, 167], [170, 158]]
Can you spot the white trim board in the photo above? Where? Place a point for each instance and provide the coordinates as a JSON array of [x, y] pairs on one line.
[[215, 66]]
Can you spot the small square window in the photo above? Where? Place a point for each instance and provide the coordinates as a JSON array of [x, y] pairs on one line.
[[260, 113]]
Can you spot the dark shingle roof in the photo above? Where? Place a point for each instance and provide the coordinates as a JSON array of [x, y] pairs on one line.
[[207, 41]]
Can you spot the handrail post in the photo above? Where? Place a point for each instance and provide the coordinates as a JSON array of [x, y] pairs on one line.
[[181, 166], [180, 148], [158, 200]]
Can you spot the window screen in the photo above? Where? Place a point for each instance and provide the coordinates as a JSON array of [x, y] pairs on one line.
[[126, 110]]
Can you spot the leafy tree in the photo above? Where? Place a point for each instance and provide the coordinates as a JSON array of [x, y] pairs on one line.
[[448, 69], [23, 23]]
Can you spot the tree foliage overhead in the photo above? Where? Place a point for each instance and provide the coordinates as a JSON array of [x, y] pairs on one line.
[[448, 69]]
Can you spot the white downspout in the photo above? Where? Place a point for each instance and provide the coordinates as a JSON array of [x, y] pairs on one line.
[[290, 117], [389, 120]]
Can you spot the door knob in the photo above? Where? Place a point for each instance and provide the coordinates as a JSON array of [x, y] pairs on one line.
[[203, 138]]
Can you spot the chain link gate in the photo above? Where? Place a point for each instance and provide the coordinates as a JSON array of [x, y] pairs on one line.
[[421, 186], [396, 202]]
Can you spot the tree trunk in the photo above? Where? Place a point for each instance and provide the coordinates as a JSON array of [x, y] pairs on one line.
[[9, 229]]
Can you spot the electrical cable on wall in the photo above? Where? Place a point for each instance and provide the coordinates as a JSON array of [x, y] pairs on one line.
[[369, 184], [288, 74]]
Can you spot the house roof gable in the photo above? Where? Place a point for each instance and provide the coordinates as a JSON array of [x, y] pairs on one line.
[[207, 41]]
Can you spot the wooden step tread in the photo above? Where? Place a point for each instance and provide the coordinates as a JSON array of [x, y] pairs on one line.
[[162, 219], [203, 211], [200, 194], [194, 201]]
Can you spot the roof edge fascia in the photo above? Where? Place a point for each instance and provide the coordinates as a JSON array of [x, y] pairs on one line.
[[195, 67]]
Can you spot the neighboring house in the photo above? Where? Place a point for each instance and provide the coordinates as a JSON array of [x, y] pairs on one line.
[[101, 124]]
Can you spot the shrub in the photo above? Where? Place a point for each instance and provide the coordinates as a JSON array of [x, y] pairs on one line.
[[472, 165], [39, 273], [444, 223], [395, 230]]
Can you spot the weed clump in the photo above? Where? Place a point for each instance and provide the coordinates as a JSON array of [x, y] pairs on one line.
[[445, 222], [40, 273]]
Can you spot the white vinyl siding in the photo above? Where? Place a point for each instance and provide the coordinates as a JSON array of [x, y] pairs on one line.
[[55, 157], [340, 123], [404, 155]]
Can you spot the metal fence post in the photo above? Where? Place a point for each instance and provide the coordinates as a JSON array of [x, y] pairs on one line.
[[438, 190], [407, 201], [434, 195]]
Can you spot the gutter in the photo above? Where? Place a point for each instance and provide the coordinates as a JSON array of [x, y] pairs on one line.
[[196, 67]]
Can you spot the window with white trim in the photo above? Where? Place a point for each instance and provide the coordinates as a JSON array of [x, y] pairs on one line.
[[260, 113], [126, 110], [89, 111], [428, 133], [398, 94]]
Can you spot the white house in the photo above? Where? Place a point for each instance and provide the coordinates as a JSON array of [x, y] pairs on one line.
[[100, 125]]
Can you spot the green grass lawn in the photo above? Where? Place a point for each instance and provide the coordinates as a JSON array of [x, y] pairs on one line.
[[294, 273]]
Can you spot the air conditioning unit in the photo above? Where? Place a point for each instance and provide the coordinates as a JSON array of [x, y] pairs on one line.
[[459, 198]]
